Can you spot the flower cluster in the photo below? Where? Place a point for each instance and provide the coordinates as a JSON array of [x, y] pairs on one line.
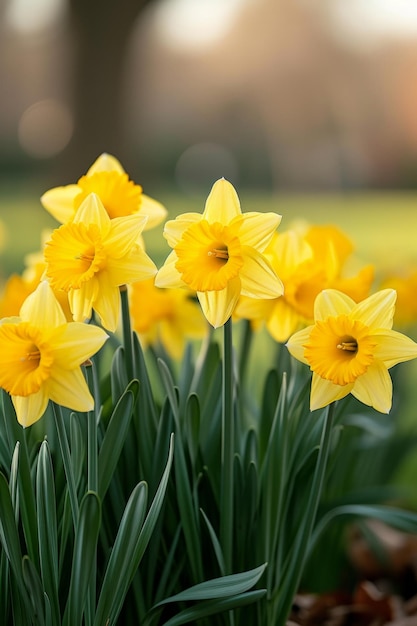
[[235, 264]]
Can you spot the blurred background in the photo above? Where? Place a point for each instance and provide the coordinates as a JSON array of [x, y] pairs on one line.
[[275, 94], [278, 96]]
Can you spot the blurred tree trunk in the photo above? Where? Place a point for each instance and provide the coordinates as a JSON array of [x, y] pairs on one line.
[[99, 37]]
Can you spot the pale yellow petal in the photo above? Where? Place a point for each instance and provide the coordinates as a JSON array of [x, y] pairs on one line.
[[42, 309], [107, 304], [123, 234], [377, 311], [283, 322], [296, 343], [105, 163], [374, 388], [29, 409], [218, 306], [323, 392], [69, 388], [174, 229], [257, 229], [258, 277], [59, 202], [255, 308], [130, 268], [92, 211], [81, 300], [155, 211], [76, 343], [222, 204], [332, 303], [393, 347], [289, 251], [168, 275]]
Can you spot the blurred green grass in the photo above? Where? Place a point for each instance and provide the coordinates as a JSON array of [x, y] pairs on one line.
[[382, 226]]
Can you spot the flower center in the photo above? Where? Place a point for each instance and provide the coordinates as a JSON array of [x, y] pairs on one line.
[[25, 360], [209, 255], [119, 195], [74, 254], [339, 349]]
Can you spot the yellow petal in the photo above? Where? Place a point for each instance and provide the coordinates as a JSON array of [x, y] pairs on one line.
[[69, 388], [296, 343], [42, 309], [255, 308], [168, 275], [155, 211], [77, 342], [29, 409], [222, 204], [377, 311], [92, 211], [59, 202], [123, 234], [393, 347], [107, 304], [374, 388], [289, 251], [257, 276], [257, 229], [323, 392], [174, 229], [331, 303], [106, 163], [218, 306], [283, 322], [130, 268], [81, 300]]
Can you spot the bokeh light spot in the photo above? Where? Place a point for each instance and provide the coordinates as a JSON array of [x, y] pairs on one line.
[[45, 128]]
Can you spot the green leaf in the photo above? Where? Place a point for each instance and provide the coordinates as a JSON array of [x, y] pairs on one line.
[[9, 538], [130, 544], [115, 437], [212, 607], [84, 557], [34, 587], [47, 529], [221, 587]]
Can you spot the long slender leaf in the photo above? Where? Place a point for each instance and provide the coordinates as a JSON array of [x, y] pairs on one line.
[[34, 587], [115, 437], [130, 544], [213, 607], [84, 555], [47, 529]]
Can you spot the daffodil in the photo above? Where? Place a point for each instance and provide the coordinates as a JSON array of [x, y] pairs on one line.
[[308, 261], [168, 316], [219, 254], [92, 256], [350, 348], [120, 195], [41, 354], [18, 287]]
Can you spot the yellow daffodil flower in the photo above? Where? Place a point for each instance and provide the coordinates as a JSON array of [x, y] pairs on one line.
[[18, 287], [219, 254], [92, 256], [41, 354], [119, 195], [168, 316], [307, 261], [350, 348]]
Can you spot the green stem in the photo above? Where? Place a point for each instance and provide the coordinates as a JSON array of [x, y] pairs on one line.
[[127, 333], [245, 350], [66, 460], [226, 493]]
